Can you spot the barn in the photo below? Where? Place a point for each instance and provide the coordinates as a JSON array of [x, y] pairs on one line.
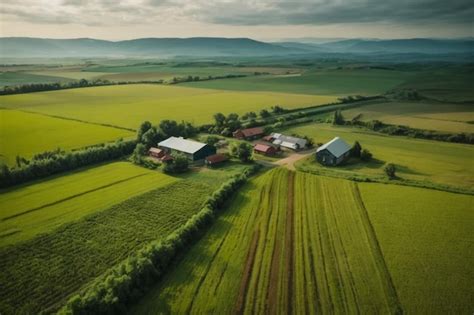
[[333, 152], [156, 153], [264, 149], [215, 159], [249, 133], [289, 142], [193, 150]]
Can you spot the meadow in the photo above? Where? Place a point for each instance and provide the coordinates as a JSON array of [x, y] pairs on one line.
[[130, 105], [415, 159], [42, 206], [26, 134], [288, 241], [17, 77], [445, 117], [54, 265], [426, 239]]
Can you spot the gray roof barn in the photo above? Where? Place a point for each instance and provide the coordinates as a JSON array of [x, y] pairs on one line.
[[288, 141], [336, 146], [193, 149]]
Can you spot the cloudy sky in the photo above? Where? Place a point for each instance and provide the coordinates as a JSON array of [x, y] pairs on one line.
[[260, 19]]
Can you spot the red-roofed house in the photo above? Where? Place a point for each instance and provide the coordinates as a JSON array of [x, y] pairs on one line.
[[156, 153], [264, 149], [215, 159], [248, 134]]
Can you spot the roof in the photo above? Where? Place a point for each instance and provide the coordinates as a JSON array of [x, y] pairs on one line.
[[250, 132], [182, 145], [262, 147], [216, 158], [336, 146], [155, 150], [166, 157], [288, 141]]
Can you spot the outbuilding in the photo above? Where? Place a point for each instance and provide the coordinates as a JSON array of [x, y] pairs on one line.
[[333, 152], [156, 153], [193, 150], [249, 133], [289, 142], [215, 159], [264, 149]]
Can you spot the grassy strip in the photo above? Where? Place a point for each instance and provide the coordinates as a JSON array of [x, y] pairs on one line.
[[128, 281]]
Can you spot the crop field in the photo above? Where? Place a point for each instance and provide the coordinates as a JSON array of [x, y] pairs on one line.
[[51, 266], [340, 82], [417, 159], [288, 241], [446, 117], [427, 241], [128, 106], [40, 207], [26, 134], [18, 78]]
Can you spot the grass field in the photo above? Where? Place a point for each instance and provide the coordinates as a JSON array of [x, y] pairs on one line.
[[128, 106], [320, 81], [437, 116], [18, 78], [288, 241], [50, 267], [26, 134], [40, 207], [426, 238], [423, 160]]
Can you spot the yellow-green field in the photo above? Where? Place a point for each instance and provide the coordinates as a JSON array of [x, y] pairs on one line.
[[445, 117], [40, 207], [128, 106], [427, 241], [417, 159], [26, 134]]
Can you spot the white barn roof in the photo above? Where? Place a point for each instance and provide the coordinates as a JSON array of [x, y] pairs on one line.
[[181, 144], [288, 142], [336, 146]]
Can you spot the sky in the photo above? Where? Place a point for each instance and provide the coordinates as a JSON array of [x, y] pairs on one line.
[[258, 19]]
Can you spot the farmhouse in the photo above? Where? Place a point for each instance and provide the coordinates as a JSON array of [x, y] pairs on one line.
[[288, 142], [333, 152], [156, 153], [215, 159], [192, 149], [264, 149], [248, 134]]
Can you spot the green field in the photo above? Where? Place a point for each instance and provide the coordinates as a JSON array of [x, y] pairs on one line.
[[445, 117], [51, 266], [416, 159], [427, 241], [340, 82], [288, 241], [26, 134], [40, 207], [18, 78], [128, 106]]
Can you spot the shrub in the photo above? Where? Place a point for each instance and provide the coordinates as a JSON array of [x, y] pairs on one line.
[[390, 170]]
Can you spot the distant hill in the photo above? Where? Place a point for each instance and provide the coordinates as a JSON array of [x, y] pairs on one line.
[[215, 47]]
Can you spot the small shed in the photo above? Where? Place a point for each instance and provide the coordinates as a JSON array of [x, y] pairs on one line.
[[249, 133], [215, 159], [156, 153], [333, 152], [264, 149]]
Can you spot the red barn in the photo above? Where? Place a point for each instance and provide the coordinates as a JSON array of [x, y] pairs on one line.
[[264, 149], [248, 134], [214, 159], [156, 153]]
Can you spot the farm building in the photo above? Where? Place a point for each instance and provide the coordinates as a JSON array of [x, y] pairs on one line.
[[248, 134], [156, 153], [192, 149], [215, 159], [333, 152], [288, 142], [264, 149]]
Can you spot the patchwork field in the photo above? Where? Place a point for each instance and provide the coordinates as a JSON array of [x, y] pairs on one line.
[[427, 241], [26, 134], [40, 207], [289, 241], [444, 117], [423, 160], [128, 106], [51, 266]]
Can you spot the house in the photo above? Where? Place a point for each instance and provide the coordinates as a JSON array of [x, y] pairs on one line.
[[193, 150], [333, 152], [214, 159], [156, 153], [288, 142], [264, 149], [248, 134]]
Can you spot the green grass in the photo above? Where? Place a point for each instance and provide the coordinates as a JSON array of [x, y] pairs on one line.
[[51, 267], [287, 241], [416, 159], [42, 206], [427, 241], [445, 117], [128, 106], [26, 134], [18, 78], [320, 81]]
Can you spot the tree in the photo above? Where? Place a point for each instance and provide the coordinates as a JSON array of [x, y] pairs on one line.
[[356, 149], [138, 153], [277, 109], [264, 113], [149, 138], [179, 164], [365, 155], [211, 140], [390, 170], [219, 119], [144, 127], [338, 118], [242, 151]]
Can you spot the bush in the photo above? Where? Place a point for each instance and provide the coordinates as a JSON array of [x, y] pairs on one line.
[[179, 164], [242, 151], [390, 170]]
